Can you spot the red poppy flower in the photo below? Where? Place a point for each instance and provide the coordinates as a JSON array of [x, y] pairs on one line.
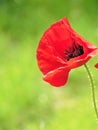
[[60, 50]]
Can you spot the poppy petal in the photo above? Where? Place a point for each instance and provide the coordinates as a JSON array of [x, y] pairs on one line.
[[80, 60], [96, 65], [57, 77], [58, 35], [48, 58]]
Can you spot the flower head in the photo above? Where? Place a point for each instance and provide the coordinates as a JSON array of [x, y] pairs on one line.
[[60, 50]]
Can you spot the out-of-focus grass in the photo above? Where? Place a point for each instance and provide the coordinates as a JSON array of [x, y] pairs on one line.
[[26, 101]]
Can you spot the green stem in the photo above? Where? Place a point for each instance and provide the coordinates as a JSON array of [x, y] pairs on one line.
[[93, 90]]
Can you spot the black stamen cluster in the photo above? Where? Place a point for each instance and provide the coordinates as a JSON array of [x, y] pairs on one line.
[[74, 51]]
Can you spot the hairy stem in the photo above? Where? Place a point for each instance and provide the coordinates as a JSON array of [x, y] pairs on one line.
[[93, 90]]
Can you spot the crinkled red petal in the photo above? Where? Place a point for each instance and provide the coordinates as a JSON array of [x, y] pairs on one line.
[[59, 36], [57, 77], [48, 58]]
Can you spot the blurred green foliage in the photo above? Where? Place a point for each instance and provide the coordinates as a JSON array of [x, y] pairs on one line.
[[26, 101]]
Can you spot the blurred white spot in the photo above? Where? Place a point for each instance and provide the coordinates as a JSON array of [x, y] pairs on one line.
[[42, 125]]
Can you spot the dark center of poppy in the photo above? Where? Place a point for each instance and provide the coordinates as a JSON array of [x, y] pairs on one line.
[[75, 51]]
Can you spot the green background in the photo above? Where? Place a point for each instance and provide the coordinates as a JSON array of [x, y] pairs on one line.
[[26, 101]]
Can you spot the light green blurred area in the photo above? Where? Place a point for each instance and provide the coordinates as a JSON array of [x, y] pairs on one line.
[[26, 101]]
